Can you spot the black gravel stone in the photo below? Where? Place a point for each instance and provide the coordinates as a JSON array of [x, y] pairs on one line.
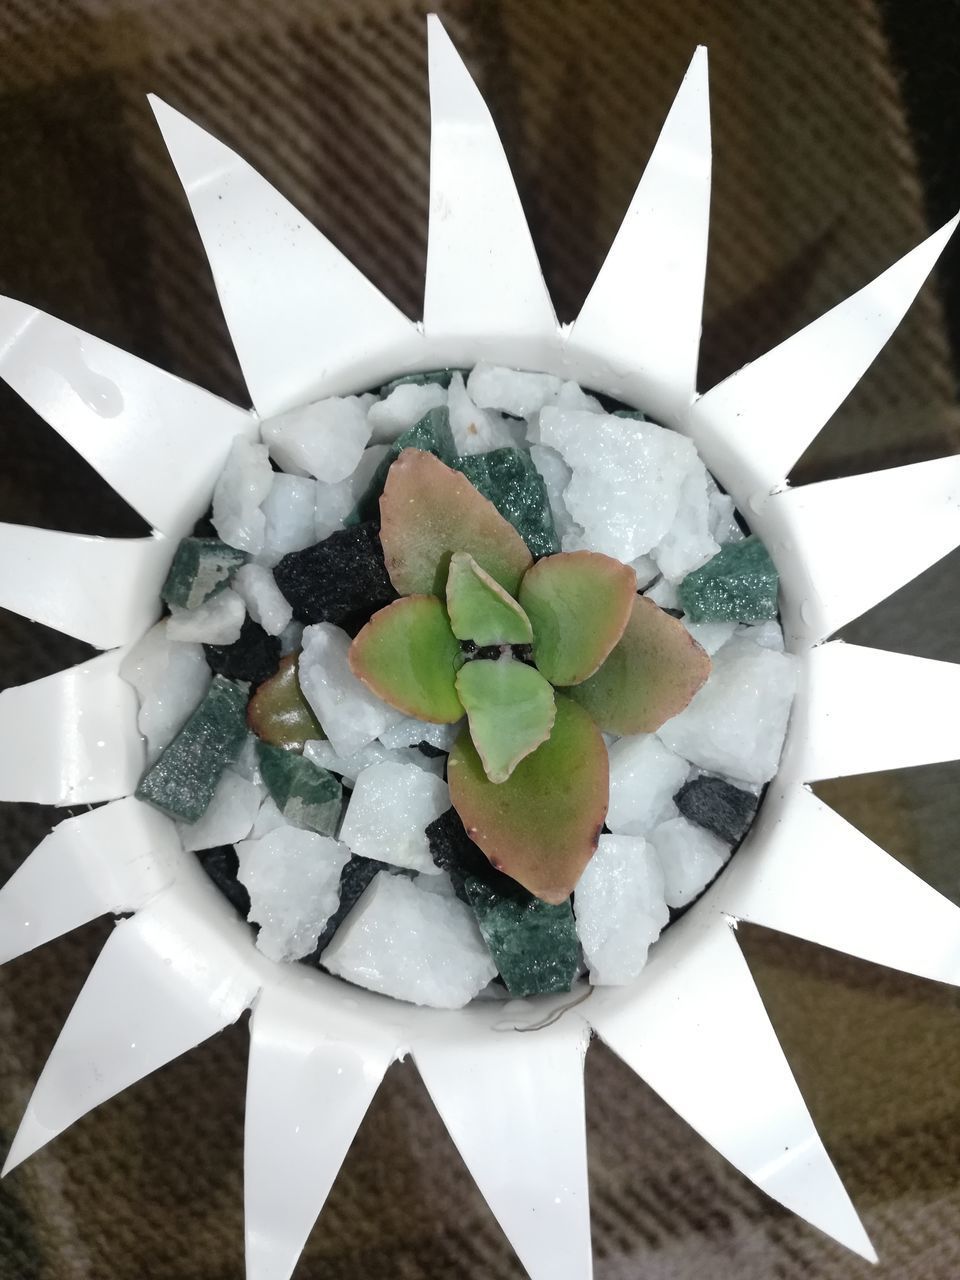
[[339, 580], [428, 749], [718, 806], [221, 866], [454, 852], [354, 878], [254, 657]]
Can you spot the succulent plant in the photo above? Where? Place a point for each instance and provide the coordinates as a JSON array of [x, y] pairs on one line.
[[540, 657]]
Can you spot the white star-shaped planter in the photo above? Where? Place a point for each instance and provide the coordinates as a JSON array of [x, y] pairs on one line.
[[307, 324]]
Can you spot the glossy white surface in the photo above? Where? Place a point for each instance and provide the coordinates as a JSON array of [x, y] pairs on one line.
[[513, 1104], [314, 1068], [809, 873], [167, 979], [757, 423], [483, 276], [105, 591], [115, 858], [857, 540], [694, 1027], [640, 325], [300, 314], [71, 738], [861, 710], [159, 441]]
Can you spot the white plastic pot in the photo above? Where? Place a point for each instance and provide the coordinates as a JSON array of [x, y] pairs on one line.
[[306, 324]]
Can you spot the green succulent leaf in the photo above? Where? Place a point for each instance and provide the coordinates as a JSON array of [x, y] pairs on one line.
[[578, 604], [510, 710], [428, 512], [650, 676], [479, 608], [542, 825], [278, 712], [408, 656]]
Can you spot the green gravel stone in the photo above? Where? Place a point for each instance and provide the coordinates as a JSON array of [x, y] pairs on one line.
[[508, 478], [534, 945], [201, 568], [306, 795], [184, 778], [438, 377], [431, 434], [738, 585]]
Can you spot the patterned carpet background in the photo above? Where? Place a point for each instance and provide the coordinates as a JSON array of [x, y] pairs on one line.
[[816, 189]]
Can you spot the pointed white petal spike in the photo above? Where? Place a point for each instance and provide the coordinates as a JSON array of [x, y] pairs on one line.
[[641, 320], [754, 426], [855, 541], [861, 710], [168, 978], [483, 275], [115, 858], [809, 873], [304, 321], [71, 738], [694, 1028], [159, 441], [314, 1068], [527, 1153], [105, 591]]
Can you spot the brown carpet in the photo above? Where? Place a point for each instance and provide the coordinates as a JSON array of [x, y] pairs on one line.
[[815, 191]]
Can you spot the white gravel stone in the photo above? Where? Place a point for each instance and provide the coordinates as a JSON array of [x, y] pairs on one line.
[[710, 635], [664, 593], [321, 752], [690, 857], [293, 878], [336, 501], [268, 819], [736, 724], [409, 732], [723, 524], [475, 430], [556, 476], [440, 884], [247, 763], [645, 567], [350, 715], [511, 390], [688, 543], [388, 811], [291, 637], [218, 620], [244, 483], [620, 908], [324, 439], [170, 678], [644, 778], [266, 604], [572, 396], [229, 816], [627, 477], [768, 635], [289, 511], [412, 945], [402, 409]]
